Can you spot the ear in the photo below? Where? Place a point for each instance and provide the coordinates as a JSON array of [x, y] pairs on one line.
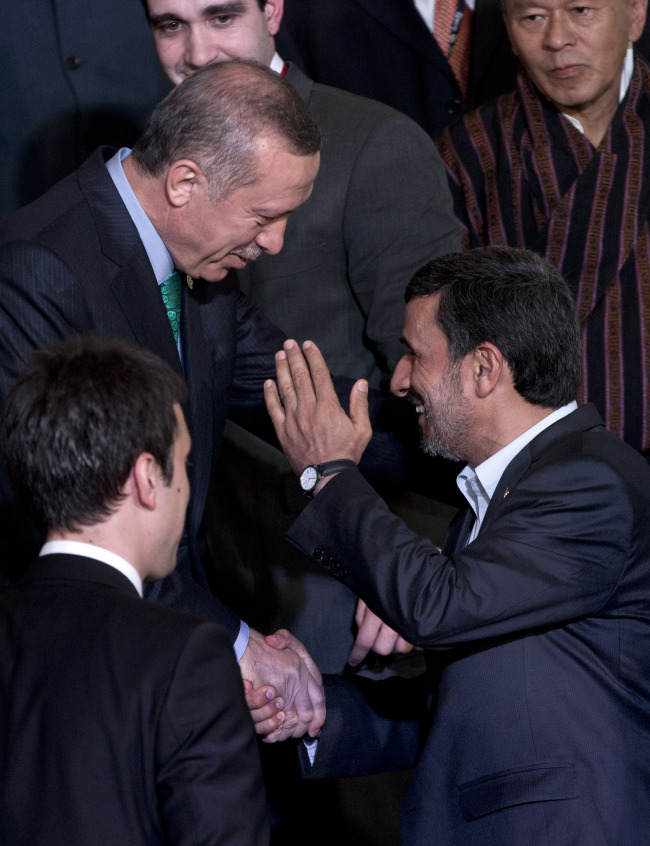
[[144, 480], [639, 9], [184, 178], [273, 14], [487, 368]]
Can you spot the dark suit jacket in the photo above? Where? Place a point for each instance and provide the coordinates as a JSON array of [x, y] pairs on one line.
[[380, 209], [72, 262], [96, 81], [382, 49], [538, 634], [121, 721]]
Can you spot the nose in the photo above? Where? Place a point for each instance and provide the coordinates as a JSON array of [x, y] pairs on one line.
[[271, 237], [558, 32], [199, 50], [400, 382]]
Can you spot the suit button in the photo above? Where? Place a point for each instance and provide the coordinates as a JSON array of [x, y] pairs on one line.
[[72, 62], [318, 553], [454, 106]]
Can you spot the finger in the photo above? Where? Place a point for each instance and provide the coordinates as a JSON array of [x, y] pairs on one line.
[[402, 646], [300, 373], [385, 641], [320, 373], [317, 695], [365, 639], [360, 613], [359, 408], [285, 377], [261, 697], [271, 730], [273, 405]]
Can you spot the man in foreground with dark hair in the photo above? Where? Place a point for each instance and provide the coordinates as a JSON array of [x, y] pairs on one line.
[[123, 721], [224, 160], [535, 616]]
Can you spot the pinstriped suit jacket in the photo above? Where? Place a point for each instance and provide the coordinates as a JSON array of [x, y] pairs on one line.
[[72, 262]]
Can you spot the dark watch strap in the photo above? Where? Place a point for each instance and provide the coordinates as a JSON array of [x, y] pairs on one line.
[[329, 467]]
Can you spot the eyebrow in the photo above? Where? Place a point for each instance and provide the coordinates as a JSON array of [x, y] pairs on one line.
[[227, 8]]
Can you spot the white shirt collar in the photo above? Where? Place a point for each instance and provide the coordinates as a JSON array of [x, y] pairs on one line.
[[478, 484], [426, 9], [626, 76], [89, 550], [277, 64]]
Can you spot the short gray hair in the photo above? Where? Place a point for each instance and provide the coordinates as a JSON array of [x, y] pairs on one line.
[[216, 117]]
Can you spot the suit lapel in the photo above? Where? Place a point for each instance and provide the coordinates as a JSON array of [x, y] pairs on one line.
[[198, 365], [133, 284], [403, 20], [584, 418], [300, 82], [458, 531]]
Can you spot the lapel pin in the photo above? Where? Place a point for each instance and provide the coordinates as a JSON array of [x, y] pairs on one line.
[[507, 491]]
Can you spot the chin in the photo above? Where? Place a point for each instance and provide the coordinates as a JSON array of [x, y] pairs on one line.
[[218, 274]]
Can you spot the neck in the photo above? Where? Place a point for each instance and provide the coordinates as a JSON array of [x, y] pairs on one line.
[[108, 535], [504, 428]]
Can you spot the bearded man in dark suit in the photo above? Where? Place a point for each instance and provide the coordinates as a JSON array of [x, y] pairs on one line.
[[225, 159], [123, 721], [535, 616]]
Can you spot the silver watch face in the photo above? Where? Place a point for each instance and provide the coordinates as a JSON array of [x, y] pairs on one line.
[[309, 478]]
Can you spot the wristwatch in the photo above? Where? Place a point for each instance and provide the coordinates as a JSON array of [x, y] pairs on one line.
[[313, 473]]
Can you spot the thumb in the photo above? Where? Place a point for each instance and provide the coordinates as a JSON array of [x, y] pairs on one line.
[[359, 405]]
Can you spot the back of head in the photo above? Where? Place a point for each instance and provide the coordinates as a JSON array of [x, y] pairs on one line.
[[516, 301], [77, 419], [216, 118]]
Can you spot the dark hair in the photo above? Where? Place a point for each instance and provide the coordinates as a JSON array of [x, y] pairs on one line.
[[260, 3], [516, 301], [216, 118], [75, 422]]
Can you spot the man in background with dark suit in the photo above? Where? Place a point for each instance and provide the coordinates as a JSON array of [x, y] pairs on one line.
[[225, 159], [379, 210], [391, 51], [122, 721], [535, 617]]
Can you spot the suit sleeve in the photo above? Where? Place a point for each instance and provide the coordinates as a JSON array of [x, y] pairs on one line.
[[372, 726], [549, 555], [209, 779], [398, 216]]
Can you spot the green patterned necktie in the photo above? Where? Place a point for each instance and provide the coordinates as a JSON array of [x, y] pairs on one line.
[[171, 294]]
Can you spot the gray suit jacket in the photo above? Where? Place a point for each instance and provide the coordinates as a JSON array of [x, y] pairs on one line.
[[380, 209]]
